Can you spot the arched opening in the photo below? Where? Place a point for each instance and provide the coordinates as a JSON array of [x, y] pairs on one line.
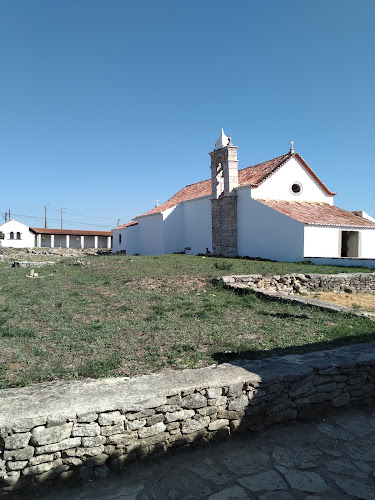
[[18, 235], [11, 235], [219, 177]]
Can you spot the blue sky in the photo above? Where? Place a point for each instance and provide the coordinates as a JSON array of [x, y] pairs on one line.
[[107, 106]]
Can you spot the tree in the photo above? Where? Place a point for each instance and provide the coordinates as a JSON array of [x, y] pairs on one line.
[[2, 235]]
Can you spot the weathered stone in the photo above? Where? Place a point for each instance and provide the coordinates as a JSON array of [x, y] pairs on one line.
[[168, 408], [19, 454], [11, 478], [147, 412], [17, 465], [304, 481], [327, 387], [112, 429], [86, 430], [235, 390], [89, 452], [301, 390], [122, 439], [208, 410], [72, 461], [136, 424], [91, 442], [155, 419], [355, 489], [16, 441], [111, 418], [40, 468], [284, 416], [193, 425], [218, 424], [194, 401], [179, 415], [52, 473], [265, 481], [62, 445], [145, 432], [235, 492], [96, 460], [341, 400], [220, 401], [40, 459], [175, 399], [239, 403], [214, 392], [42, 435], [172, 425], [87, 418], [27, 424]]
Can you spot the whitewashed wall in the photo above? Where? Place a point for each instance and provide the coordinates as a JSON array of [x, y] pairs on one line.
[[264, 232], [367, 243], [173, 229], [277, 187], [322, 241], [198, 226], [117, 246], [326, 241], [27, 237], [150, 235]]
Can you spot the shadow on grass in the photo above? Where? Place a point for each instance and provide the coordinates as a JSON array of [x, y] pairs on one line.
[[228, 356]]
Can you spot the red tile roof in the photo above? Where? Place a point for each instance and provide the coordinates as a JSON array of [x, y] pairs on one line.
[[134, 223], [74, 232], [249, 176], [321, 214]]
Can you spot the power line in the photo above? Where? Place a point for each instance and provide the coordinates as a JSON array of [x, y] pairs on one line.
[[59, 220]]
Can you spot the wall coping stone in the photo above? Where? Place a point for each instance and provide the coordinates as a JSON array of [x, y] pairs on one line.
[[70, 398]]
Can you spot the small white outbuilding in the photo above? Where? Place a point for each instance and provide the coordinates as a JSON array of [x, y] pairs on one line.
[[19, 235], [278, 210]]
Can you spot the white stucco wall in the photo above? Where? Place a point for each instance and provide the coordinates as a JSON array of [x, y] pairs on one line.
[[277, 187], [173, 229], [150, 235], [264, 232], [117, 246], [367, 244], [326, 241], [27, 237], [322, 241], [198, 226]]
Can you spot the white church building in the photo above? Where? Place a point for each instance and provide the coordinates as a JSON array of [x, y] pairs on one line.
[[278, 210]]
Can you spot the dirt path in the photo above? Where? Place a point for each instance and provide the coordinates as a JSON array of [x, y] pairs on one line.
[[363, 301]]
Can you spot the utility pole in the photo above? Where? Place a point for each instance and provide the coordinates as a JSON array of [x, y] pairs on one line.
[[45, 215], [5, 217], [118, 222], [9, 215], [62, 211]]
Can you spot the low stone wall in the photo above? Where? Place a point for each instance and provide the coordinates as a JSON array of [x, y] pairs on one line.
[[305, 283], [56, 430]]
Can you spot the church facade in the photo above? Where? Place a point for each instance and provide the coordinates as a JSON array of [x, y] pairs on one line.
[[278, 210]]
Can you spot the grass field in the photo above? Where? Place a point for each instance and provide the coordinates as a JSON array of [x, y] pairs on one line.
[[121, 315]]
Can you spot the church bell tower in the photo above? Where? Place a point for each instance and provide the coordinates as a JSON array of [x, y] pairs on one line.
[[224, 181]]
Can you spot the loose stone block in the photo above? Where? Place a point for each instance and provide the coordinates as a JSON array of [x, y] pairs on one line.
[[39, 469], [235, 389], [42, 435], [91, 442], [214, 392], [147, 412], [239, 403], [341, 400], [193, 425], [96, 460], [218, 424], [17, 465], [137, 424], [63, 445], [112, 429], [220, 401], [40, 459], [194, 401], [72, 461], [168, 408], [89, 452], [27, 424], [20, 454], [172, 426], [145, 432], [330, 387], [122, 439], [110, 418], [17, 441], [86, 430], [155, 419], [179, 415], [208, 410], [11, 478], [87, 418]]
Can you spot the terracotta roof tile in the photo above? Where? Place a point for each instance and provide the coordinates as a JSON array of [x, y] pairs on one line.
[[74, 232], [123, 226], [321, 214], [249, 176]]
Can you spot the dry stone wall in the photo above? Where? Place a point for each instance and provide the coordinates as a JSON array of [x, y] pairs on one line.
[[305, 283], [58, 430]]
